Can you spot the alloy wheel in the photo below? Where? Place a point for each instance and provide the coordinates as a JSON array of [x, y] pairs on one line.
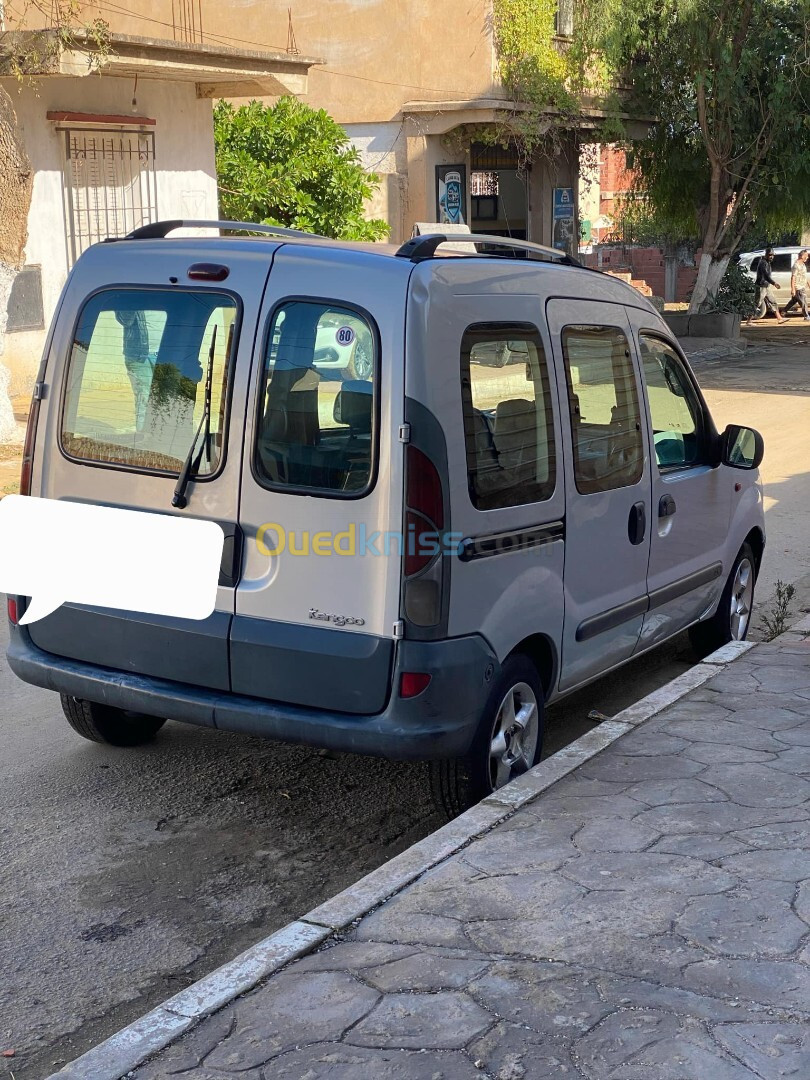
[[515, 735]]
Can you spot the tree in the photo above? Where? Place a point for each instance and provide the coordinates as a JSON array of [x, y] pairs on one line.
[[729, 84], [291, 165]]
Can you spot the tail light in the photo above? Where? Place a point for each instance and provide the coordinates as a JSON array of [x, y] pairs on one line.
[[412, 683], [13, 614], [424, 516], [424, 538], [30, 439]]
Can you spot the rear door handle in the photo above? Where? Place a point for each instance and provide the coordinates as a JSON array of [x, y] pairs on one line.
[[637, 524], [230, 569], [666, 506]]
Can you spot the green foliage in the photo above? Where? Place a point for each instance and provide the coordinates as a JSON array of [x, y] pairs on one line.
[[533, 69], [729, 81], [759, 237], [639, 221], [550, 78], [777, 620], [170, 388], [737, 293], [291, 165]]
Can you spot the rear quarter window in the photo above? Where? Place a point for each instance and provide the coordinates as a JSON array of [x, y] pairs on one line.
[[137, 378], [316, 431]]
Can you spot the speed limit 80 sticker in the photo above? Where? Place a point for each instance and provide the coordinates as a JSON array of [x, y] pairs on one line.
[[345, 335]]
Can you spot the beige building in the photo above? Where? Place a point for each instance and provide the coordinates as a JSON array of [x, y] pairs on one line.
[[414, 83], [98, 145]]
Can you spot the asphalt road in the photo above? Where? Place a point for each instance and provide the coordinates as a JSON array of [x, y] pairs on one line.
[[125, 875]]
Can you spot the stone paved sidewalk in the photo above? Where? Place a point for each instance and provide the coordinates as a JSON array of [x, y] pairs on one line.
[[647, 918]]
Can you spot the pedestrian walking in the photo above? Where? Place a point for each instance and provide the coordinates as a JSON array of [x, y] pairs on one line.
[[798, 285], [765, 302]]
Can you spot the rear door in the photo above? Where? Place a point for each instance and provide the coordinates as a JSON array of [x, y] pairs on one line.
[[607, 482], [321, 505], [691, 499], [125, 391], [488, 380]]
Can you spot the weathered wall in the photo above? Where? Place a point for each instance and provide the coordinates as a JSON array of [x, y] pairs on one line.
[[186, 177], [383, 150], [16, 185], [379, 53]]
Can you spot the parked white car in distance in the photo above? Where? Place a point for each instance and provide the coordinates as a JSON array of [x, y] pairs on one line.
[[784, 258]]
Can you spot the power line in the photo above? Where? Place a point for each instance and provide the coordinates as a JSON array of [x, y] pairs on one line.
[[263, 45]]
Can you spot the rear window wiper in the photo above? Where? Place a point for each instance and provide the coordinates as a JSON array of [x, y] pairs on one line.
[[192, 464]]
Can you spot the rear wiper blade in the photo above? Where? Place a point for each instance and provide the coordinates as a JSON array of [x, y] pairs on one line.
[[179, 498], [205, 445]]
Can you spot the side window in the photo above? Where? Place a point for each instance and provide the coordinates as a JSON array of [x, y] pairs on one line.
[[675, 409], [138, 378], [316, 430], [508, 425], [782, 263], [604, 408]]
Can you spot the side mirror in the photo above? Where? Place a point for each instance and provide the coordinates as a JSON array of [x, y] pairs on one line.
[[742, 447]]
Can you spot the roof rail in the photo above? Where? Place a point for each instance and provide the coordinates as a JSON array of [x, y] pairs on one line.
[[424, 247], [157, 230]]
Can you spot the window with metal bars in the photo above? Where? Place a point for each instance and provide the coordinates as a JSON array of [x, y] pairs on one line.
[[484, 183], [110, 184]]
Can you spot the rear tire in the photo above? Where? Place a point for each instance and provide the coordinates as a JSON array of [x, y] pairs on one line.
[[105, 724], [508, 741], [732, 620]]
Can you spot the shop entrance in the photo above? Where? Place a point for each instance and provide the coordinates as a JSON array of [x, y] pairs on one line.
[[498, 192]]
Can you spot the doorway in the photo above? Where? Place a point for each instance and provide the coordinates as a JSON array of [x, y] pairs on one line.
[[499, 193]]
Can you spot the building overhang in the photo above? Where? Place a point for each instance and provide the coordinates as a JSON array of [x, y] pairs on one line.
[[441, 117], [216, 70]]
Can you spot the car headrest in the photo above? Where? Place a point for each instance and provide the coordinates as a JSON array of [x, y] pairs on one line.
[[515, 420], [353, 406]]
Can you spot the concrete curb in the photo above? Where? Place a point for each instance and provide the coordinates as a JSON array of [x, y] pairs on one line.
[[136, 1043]]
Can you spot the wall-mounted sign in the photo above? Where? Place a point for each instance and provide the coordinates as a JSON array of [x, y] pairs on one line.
[[564, 232], [451, 194]]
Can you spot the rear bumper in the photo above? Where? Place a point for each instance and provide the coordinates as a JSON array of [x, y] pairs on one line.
[[438, 723]]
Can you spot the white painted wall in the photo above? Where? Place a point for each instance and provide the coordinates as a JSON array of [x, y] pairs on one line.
[[185, 171], [383, 149]]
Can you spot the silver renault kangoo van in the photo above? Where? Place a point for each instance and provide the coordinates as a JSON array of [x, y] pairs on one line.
[[454, 485]]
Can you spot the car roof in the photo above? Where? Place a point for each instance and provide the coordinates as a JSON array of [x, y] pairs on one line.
[[793, 249], [579, 280]]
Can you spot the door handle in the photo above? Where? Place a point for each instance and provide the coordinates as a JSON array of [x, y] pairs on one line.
[[230, 569], [666, 506], [637, 524]]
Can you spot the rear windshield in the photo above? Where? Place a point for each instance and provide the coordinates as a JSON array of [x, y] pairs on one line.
[[316, 430], [142, 365]]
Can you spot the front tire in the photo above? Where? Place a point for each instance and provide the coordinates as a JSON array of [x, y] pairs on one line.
[[105, 724], [508, 741], [732, 620]]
